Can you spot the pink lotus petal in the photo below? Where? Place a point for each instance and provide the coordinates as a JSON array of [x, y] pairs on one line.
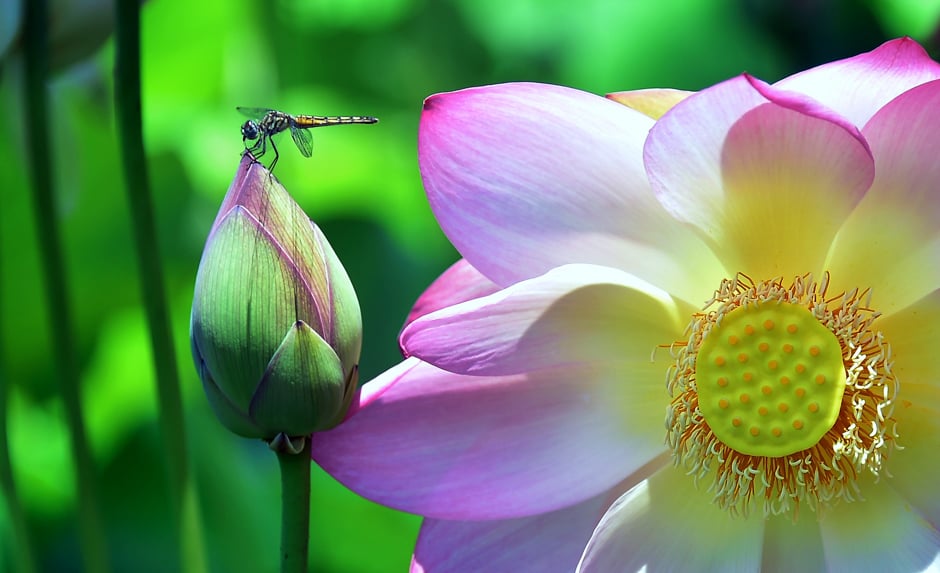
[[461, 282], [807, 106], [766, 184], [666, 524], [683, 151], [858, 87], [575, 314], [468, 447], [881, 533], [525, 177], [544, 543], [891, 242]]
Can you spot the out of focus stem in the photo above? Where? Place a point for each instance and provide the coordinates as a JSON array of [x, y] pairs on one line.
[[182, 487], [295, 508], [36, 59], [22, 546]]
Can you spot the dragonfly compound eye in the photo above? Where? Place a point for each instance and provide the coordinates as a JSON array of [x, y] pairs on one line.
[[250, 130]]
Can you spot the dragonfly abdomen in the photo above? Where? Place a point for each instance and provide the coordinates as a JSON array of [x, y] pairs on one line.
[[320, 120]]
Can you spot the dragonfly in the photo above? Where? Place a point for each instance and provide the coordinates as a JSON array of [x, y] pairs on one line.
[[264, 123]]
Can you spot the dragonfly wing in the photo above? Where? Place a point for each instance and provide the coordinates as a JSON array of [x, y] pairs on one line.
[[253, 112], [303, 140]]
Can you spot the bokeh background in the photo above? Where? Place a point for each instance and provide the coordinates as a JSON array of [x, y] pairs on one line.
[[362, 185]]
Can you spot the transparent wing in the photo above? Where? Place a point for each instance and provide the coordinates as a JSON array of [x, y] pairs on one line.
[[303, 141], [255, 113]]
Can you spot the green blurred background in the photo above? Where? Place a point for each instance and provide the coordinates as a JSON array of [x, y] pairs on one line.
[[362, 185]]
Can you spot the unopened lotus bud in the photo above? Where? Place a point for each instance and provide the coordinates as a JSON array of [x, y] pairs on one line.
[[275, 328]]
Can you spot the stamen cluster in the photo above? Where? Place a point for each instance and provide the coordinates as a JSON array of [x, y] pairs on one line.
[[816, 477]]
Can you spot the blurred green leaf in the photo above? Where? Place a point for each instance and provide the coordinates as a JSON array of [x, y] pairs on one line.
[[915, 18]]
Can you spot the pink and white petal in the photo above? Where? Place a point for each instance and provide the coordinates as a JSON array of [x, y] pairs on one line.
[[682, 154], [859, 86], [651, 102], [879, 533], [790, 546], [768, 185], [459, 283], [547, 542], [891, 243], [666, 524], [791, 181], [457, 447], [807, 106], [526, 177], [572, 315]]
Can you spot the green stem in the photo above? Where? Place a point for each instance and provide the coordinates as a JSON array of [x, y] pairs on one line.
[[36, 59], [182, 487], [295, 508], [23, 547]]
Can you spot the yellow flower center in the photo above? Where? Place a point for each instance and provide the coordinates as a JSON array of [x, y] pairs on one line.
[[782, 395], [770, 379]]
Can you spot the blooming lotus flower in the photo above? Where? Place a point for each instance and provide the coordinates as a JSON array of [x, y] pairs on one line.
[[698, 339], [275, 328]]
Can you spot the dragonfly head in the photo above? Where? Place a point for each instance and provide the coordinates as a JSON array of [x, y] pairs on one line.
[[250, 130]]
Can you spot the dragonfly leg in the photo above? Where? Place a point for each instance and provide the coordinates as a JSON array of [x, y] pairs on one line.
[[257, 148], [276, 156]]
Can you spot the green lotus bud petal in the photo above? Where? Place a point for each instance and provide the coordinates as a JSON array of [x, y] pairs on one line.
[[347, 322], [231, 417], [275, 327], [304, 376]]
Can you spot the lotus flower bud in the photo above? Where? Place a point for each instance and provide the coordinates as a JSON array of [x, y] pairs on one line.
[[275, 328]]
